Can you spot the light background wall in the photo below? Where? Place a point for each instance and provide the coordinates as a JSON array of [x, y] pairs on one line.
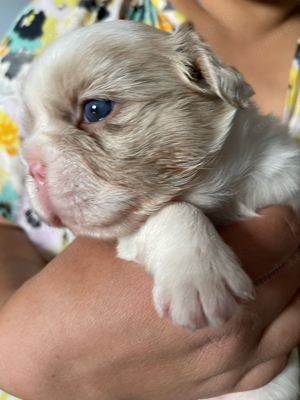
[[9, 11]]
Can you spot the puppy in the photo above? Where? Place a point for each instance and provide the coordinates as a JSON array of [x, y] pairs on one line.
[[149, 138]]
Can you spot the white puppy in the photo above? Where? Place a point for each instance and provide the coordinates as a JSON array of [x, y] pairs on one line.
[[147, 137]]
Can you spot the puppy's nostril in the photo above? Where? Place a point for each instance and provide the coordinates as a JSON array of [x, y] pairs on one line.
[[37, 171]]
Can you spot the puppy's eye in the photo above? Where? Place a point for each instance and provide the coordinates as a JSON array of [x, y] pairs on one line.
[[95, 110]]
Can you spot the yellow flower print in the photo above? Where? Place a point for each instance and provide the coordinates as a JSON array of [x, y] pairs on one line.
[[294, 86], [3, 50], [164, 24], [90, 18], [180, 17], [28, 20], [9, 134], [3, 46], [71, 4], [49, 34], [3, 179], [5, 396]]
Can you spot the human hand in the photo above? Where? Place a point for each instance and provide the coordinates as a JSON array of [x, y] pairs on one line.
[[87, 327]]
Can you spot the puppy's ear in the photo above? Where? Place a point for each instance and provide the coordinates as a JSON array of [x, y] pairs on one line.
[[198, 63]]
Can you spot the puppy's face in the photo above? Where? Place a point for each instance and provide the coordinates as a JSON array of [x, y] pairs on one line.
[[121, 118]]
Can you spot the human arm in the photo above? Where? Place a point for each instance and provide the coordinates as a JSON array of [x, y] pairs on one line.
[[19, 259], [86, 326]]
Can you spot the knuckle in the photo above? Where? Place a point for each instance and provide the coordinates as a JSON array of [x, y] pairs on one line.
[[291, 223]]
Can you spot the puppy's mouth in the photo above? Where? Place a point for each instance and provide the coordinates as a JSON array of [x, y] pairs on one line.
[[104, 211], [37, 171]]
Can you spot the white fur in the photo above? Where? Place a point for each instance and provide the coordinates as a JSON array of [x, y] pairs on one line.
[[258, 165], [180, 247]]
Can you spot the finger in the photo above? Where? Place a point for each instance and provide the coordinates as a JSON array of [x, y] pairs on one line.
[[262, 372], [263, 244], [283, 334], [273, 293]]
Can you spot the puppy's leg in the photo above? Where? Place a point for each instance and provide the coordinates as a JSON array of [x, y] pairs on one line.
[[197, 277], [284, 387]]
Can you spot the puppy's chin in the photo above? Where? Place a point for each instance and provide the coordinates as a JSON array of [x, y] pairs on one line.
[[49, 218], [118, 225], [41, 204]]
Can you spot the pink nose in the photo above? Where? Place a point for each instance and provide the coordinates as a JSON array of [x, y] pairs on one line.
[[37, 171]]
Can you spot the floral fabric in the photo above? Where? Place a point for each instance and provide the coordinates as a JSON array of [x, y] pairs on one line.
[[41, 22], [292, 108]]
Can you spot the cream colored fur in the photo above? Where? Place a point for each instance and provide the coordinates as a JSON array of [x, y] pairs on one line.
[[184, 149]]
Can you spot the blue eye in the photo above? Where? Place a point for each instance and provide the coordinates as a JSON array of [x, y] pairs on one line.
[[95, 110]]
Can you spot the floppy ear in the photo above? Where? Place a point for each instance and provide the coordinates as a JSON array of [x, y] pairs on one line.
[[198, 63]]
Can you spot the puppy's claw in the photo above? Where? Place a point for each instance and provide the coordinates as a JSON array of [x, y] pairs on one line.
[[249, 295]]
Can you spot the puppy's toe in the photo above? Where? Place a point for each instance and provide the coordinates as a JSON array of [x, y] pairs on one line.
[[219, 306], [186, 308], [181, 303], [162, 299], [241, 285]]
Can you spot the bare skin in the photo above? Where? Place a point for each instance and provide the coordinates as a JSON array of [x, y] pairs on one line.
[[257, 37], [19, 259], [88, 318], [99, 309]]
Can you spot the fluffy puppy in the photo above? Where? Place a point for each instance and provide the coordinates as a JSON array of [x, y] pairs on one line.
[[149, 138]]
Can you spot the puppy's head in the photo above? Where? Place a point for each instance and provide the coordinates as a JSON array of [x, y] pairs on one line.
[[122, 118]]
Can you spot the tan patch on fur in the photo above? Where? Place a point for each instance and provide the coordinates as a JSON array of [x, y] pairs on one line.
[[168, 121]]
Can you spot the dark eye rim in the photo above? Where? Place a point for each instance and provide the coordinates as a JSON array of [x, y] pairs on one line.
[[84, 103]]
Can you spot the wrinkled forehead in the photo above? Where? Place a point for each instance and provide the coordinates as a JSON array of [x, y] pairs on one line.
[[116, 60]]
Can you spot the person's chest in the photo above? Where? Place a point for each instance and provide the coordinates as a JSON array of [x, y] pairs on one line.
[[265, 65], [265, 62]]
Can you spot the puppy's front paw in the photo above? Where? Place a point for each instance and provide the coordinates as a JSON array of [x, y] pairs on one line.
[[197, 278], [203, 293]]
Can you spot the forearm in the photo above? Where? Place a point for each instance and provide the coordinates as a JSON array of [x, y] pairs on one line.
[[88, 317], [19, 260], [41, 319]]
